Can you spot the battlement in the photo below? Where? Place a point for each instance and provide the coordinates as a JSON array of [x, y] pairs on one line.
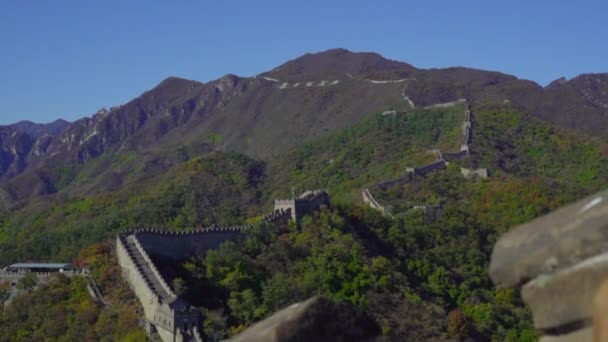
[[306, 203], [469, 173]]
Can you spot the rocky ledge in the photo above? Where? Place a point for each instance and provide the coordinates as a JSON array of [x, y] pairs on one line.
[[560, 261], [316, 319]]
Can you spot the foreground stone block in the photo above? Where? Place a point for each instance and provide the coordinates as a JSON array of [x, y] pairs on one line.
[[582, 335], [566, 297], [600, 314], [552, 242], [316, 319]]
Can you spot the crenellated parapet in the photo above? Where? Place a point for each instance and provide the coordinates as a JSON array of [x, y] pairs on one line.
[[306, 203], [276, 216]]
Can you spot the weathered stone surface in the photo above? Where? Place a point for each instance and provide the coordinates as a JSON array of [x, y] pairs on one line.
[[566, 297], [316, 319], [600, 313], [552, 242], [582, 335]]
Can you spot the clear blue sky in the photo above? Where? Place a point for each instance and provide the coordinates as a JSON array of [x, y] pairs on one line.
[[69, 58]]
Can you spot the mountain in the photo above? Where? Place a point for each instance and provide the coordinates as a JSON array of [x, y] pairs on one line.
[[581, 103], [302, 100], [36, 130], [23, 140], [336, 63], [14, 149]]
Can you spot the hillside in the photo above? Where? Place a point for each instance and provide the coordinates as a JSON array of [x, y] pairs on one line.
[[426, 259], [36, 130], [304, 99]]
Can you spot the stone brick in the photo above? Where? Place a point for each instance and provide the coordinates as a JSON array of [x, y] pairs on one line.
[[316, 319], [552, 242], [566, 297], [600, 314], [582, 335]]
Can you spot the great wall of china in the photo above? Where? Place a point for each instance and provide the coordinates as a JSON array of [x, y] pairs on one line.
[[322, 83], [172, 317], [443, 159]]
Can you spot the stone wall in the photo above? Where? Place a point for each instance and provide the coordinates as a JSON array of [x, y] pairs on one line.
[[150, 264], [298, 207], [409, 175], [451, 156], [165, 312], [469, 173], [438, 165], [181, 245], [447, 104], [559, 261], [369, 199], [135, 278], [443, 158], [287, 205]]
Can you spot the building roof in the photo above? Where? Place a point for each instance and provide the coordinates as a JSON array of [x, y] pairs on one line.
[[50, 265]]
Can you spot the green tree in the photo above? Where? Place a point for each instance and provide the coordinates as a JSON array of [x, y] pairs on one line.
[[179, 286], [246, 306], [214, 324], [5, 293], [28, 282], [457, 324]]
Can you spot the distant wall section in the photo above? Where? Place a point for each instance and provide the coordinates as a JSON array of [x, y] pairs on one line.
[[303, 205]]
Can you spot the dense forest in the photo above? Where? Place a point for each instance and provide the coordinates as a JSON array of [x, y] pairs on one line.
[[420, 276]]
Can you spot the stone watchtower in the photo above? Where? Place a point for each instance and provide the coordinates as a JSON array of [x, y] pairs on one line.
[[308, 202]]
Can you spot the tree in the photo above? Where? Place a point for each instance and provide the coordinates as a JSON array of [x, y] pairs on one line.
[[457, 324], [5, 293], [246, 306], [28, 282], [214, 324], [179, 286]]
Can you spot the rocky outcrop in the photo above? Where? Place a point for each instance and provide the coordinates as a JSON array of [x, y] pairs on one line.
[[316, 319], [37, 130], [560, 261], [14, 149]]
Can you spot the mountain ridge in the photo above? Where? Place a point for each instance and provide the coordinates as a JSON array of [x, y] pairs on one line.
[[300, 100]]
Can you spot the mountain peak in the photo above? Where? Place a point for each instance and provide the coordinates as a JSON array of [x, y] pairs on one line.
[[172, 87], [102, 112], [174, 81], [36, 130], [337, 62]]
